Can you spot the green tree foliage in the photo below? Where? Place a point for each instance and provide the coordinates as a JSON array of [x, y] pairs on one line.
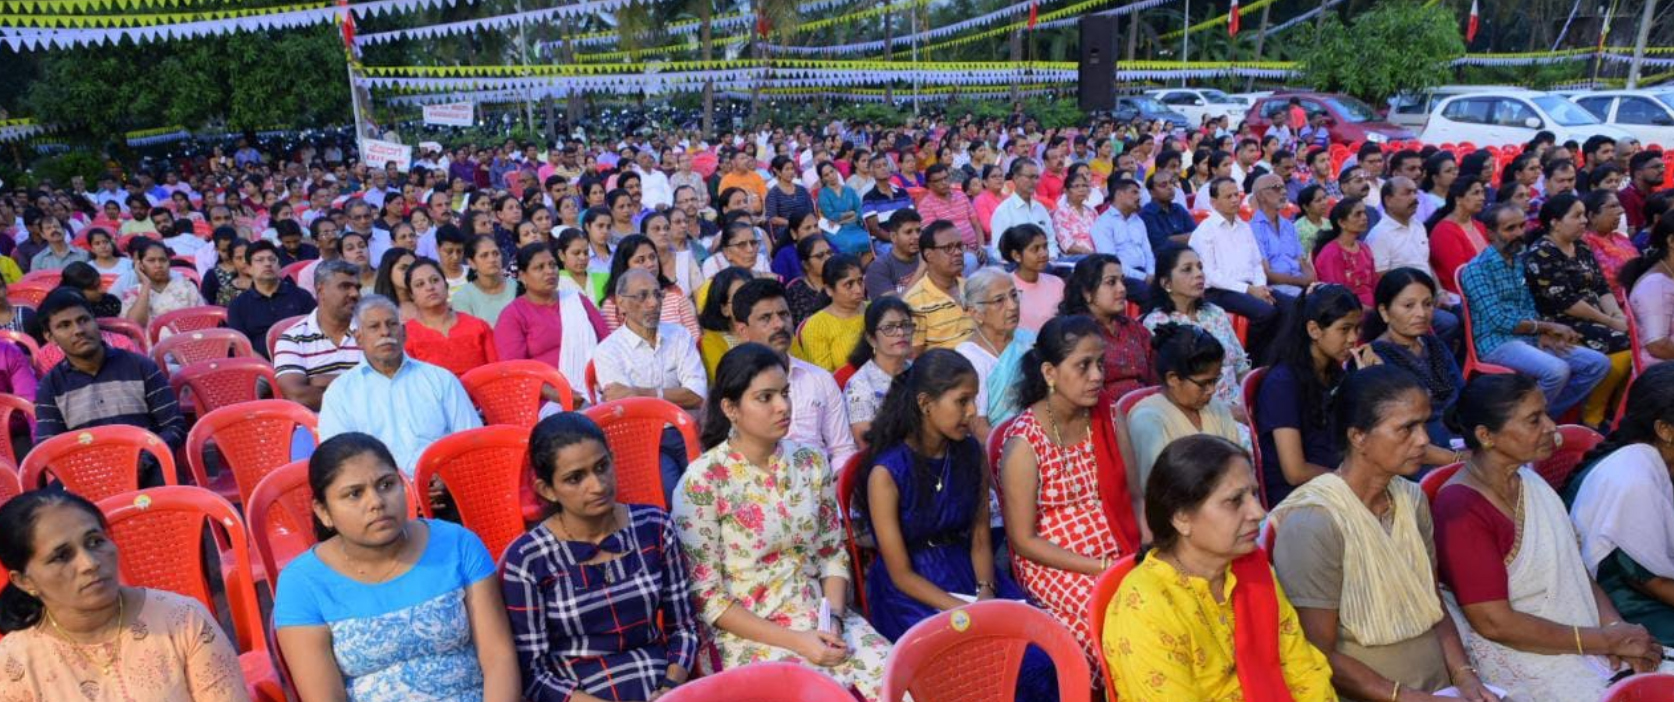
[[245, 81], [1396, 46]]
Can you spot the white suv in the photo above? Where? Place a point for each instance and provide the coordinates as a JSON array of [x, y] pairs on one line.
[[1195, 103], [1508, 117]]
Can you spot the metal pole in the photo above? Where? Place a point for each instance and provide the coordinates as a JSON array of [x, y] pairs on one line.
[[354, 102], [1186, 39], [523, 60], [1639, 43]]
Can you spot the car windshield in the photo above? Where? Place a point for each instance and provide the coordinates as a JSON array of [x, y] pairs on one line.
[[1147, 104], [1564, 112], [1351, 109], [1665, 98], [1217, 97]]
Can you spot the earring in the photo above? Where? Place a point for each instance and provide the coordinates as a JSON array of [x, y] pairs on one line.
[[1488, 446], [1051, 387]]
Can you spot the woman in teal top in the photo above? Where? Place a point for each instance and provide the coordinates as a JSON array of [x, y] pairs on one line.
[[840, 205]]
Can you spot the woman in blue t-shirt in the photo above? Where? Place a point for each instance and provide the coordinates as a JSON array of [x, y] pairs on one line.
[[387, 608]]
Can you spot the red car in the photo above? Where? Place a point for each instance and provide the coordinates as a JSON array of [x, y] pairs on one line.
[[1349, 120]]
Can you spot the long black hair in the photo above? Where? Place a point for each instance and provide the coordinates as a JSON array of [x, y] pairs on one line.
[[1323, 305], [20, 610], [714, 316], [1167, 260], [327, 462], [1057, 339], [1650, 399], [625, 250], [1334, 224], [1084, 282], [900, 420], [1657, 246], [384, 283], [739, 367], [1389, 287], [875, 312]]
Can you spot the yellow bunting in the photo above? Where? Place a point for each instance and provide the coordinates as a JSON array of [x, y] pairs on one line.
[[147, 20], [1219, 21]]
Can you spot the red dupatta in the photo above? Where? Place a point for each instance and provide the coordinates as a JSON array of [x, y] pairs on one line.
[[1113, 477], [1255, 630]]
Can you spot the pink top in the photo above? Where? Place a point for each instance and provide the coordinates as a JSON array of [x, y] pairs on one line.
[[1039, 300], [1353, 270], [985, 204], [469, 344], [1612, 251], [1652, 303], [1073, 225], [528, 330]]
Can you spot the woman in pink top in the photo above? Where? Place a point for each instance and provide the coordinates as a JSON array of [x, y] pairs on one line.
[[993, 193], [1651, 280], [1073, 219], [1039, 292], [1456, 236], [1343, 258], [1611, 248], [560, 329]]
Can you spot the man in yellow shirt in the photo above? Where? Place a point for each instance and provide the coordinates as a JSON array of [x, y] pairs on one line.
[[939, 321], [744, 175]]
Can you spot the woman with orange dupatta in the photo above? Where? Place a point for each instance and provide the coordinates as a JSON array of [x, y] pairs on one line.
[[1201, 617], [1072, 515]]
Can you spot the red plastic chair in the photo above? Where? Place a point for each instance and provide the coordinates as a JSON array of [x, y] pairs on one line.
[[189, 319], [295, 269], [216, 384], [96, 462], [201, 345], [50, 279], [51, 354], [27, 294], [933, 660], [509, 392], [159, 538], [8, 405], [1647, 687], [252, 439], [1638, 348], [1240, 328], [1576, 441], [1252, 385], [1104, 590], [483, 470], [1473, 365], [590, 383], [634, 428], [996, 447], [11, 485], [1433, 481], [281, 511], [118, 325], [762, 682], [279, 328], [847, 481], [1124, 405]]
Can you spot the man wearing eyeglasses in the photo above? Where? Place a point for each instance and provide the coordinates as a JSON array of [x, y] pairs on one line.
[[646, 357], [943, 202], [1355, 183], [939, 321]]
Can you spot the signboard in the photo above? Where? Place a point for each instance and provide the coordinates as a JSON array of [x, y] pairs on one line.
[[378, 153], [456, 114]]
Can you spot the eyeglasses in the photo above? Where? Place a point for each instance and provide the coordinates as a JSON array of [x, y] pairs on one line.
[[646, 295], [820, 256], [1205, 383], [897, 329], [950, 248], [1013, 296], [745, 244]]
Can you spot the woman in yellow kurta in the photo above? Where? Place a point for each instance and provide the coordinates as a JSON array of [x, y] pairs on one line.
[[1202, 617], [830, 335], [716, 317]]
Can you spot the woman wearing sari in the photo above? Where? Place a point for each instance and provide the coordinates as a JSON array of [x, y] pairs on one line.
[[1624, 508], [1532, 619], [1350, 544], [1202, 617], [996, 349]]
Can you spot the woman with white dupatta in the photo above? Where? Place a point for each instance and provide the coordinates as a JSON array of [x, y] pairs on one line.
[[1532, 619], [1623, 507]]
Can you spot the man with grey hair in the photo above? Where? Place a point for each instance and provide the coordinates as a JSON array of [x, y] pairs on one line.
[[404, 402], [314, 351], [647, 357]]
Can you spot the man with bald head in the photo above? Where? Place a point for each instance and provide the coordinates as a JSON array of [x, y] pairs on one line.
[[1289, 268]]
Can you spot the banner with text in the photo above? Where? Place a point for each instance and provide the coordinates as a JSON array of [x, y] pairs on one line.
[[378, 154], [456, 114]]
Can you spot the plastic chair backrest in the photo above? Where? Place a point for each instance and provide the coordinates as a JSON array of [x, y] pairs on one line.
[[28, 344], [843, 374], [281, 516], [51, 354], [996, 447], [973, 654], [96, 462], [634, 428], [1433, 481], [278, 329], [1647, 687], [1241, 328], [50, 279], [1637, 345], [252, 438], [294, 269], [590, 383], [762, 682], [847, 481], [1125, 404], [158, 533], [27, 294], [134, 332], [225, 382], [483, 471], [1473, 364], [11, 485], [509, 392], [188, 319], [1577, 441], [1251, 386], [1104, 590], [191, 347], [8, 405]]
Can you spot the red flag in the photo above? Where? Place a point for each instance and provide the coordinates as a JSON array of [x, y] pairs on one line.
[[762, 25], [348, 21], [1232, 20], [1470, 28], [1034, 14]]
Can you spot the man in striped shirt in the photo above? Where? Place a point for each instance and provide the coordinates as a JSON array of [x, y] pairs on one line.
[[940, 322], [317, 349]]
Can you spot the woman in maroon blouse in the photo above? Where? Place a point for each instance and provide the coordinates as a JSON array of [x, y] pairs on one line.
[[1095, 289]]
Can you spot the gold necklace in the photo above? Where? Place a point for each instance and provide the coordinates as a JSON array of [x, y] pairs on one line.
[[116, 638], [394, 560]]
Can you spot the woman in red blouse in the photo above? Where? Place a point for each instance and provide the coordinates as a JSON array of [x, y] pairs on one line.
[[1455, 235], [438, 335], [1095, 288], [1611, 248], [1343, 258]]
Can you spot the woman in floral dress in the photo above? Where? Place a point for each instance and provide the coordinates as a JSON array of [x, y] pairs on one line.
[[1177, 296], [757, 517]]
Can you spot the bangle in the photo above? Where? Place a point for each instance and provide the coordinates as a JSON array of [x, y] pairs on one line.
[[1470, 668], [1578, 650], [986, 585], [1396, 694]]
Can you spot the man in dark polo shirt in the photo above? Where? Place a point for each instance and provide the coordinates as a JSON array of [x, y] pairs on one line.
[[269, 299], [97, 384]]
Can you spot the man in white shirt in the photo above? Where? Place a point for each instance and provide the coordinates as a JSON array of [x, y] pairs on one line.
[[655, 192], [1021, 208], [1235, 278], [646, 357], [1399, 240], [1121, 232], [819, 414]]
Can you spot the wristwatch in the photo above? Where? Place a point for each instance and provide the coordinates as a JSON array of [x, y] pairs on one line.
[[669, 683]]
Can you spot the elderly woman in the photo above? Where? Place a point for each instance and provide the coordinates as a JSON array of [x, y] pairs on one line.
[[594, 617], [883, 353], [439, 335], [1401, 334], [1188, 360], [1531, 617], [1623, 508], [996, 348], [1356, 555], [1201, 617], [1097, 289], [1610, 246], [73, 631]]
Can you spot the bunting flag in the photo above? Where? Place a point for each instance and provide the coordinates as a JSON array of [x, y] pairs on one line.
[[1471, 24], [1232, 20], [968, 24], [45, 32]]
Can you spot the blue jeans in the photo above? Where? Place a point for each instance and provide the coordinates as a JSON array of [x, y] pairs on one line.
[[1565, 377], [672, 461]]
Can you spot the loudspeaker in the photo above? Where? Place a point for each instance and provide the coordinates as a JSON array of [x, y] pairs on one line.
[[1096, 80]]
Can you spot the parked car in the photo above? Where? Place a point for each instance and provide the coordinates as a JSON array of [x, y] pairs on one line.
[[1247, 99], [1348, 120], [1412, 110], [1196, 103], [1508, 117], [1646, 114], [1144, 106]]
